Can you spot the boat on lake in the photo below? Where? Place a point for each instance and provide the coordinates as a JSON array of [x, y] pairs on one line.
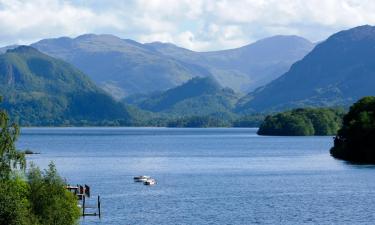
[[150, 181], [141, 178]]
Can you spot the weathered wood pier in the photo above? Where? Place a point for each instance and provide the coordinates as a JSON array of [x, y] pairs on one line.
[[89, 208]]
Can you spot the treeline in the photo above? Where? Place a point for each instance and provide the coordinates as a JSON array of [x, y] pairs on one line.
[[42, 112], [202, 121], [198, 121], [141, 119], [303, 122], [33, 198]]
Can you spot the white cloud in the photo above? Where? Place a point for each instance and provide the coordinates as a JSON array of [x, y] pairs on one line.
[[30, 20], [195, 24]]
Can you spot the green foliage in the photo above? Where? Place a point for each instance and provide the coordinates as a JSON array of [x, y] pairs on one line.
[[355, 140], [302, 122], [15, 208], [41, 199], [50, 201], [10, 158]]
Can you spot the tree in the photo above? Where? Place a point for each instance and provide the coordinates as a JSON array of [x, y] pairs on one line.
[[10, 158], [41, 199], [355, 141], [51, 202], [15, 208]]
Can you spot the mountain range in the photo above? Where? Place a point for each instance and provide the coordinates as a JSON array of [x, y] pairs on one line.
[[246, 68], [40, 89], [124, 67], [338, 71], [121, 67]]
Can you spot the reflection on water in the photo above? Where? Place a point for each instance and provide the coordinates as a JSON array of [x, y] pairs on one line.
[[207, 176]]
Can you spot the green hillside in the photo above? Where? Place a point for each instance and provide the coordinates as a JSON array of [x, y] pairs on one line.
[[40, 90], [198, 96], [338, 71]]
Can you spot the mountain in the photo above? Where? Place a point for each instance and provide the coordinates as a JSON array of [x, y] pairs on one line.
[[198, 96], [40, 90], [120, 66], [338, 71], [124, 67], [247, 67]]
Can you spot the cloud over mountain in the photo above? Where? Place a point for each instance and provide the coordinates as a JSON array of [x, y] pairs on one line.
[[194, 24]]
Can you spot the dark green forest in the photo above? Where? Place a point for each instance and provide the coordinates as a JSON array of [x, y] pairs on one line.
[[355, 140], [303, 122]]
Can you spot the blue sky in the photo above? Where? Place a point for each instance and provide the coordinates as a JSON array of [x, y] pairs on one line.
[[200, 25]]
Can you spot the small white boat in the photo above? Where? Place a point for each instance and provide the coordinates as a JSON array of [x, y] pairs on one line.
[[141, 178], [150, 181]]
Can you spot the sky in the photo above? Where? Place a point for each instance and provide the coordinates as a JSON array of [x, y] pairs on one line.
[[200, 25]]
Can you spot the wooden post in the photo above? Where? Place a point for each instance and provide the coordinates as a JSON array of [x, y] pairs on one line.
[[99, 206], [83, 205], [87, 190]]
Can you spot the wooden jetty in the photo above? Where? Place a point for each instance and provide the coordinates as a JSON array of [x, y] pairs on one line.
[[89, 207]]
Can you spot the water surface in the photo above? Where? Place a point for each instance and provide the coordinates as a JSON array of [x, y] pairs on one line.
[[207, 176]]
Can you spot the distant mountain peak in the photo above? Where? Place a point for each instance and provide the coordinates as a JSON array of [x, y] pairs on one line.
[[363, 32], [280, 41], [285, 37], [96, 36]]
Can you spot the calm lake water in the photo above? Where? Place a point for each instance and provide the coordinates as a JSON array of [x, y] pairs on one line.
[[207, 176]]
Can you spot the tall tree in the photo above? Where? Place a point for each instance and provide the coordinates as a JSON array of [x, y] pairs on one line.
[[10, 158]]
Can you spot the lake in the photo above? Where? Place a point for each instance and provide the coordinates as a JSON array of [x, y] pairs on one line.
[[207, 176]]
